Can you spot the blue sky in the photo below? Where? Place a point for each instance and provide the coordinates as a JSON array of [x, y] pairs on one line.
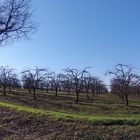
[[79, 33]]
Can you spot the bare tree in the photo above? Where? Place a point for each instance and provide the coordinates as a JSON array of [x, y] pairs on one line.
[[45, 84], [14, 82], [77, 79], [67, 84], [126, 79], [6, 76], [87, 85], [34, 77], [15, 20], [93, 84], [117, 87], [55, 81]]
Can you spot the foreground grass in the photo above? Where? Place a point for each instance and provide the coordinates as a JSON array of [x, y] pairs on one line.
[[102, 109], [103, 117], [18, 125], [96, 119]]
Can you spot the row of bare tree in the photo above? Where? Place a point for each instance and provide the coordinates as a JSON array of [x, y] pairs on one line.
[[123, 83], [71, 80]]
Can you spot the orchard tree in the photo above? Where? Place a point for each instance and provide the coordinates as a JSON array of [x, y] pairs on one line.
[[6, 77], [55, 81], [27, 81], [14, 82], [15, 20], [125, 78], [66, 84], [45, 84], [87, 85], [32, 78], [77, 79], [117, 87]]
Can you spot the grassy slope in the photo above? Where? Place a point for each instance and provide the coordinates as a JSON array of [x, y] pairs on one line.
[[104, 120], [102, 109], [18, 125]]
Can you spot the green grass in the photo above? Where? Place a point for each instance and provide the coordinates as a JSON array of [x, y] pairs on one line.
[[97, 119], [102, 117], [100, 109]]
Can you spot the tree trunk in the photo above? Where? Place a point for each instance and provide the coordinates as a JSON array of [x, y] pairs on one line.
[[87, 91], [122, 97], [56, 91], [59, 89], [34, 93], [4, 90], [68, 90], [9, 88], [126, 98], [93, 92], [119, 94], [77, 97], [47, 90], [122, 94]]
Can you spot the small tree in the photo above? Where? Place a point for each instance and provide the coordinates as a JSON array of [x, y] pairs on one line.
[[14, 82], [65, 83], [87, 85], [55, 81], [93, 84], [77, 79], [33, 78], [6, 75], [126, 79]]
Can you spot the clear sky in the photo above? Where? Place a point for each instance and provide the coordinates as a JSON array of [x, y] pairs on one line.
[[79, 33]]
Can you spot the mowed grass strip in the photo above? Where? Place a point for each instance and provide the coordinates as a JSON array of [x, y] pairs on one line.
[[96, 120]]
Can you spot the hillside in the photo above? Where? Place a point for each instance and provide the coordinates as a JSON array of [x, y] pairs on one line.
[[50, 117]]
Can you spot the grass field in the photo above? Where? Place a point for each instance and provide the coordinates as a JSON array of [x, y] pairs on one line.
[[101, 111]]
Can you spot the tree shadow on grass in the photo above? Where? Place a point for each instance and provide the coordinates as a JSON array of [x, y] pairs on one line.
[[134, 106], [43, 103]]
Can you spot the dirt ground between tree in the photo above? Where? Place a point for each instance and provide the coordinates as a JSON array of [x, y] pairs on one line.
[[15, 125]]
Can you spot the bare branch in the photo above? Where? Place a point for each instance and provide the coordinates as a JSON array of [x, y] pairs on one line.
[[15, 20]]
